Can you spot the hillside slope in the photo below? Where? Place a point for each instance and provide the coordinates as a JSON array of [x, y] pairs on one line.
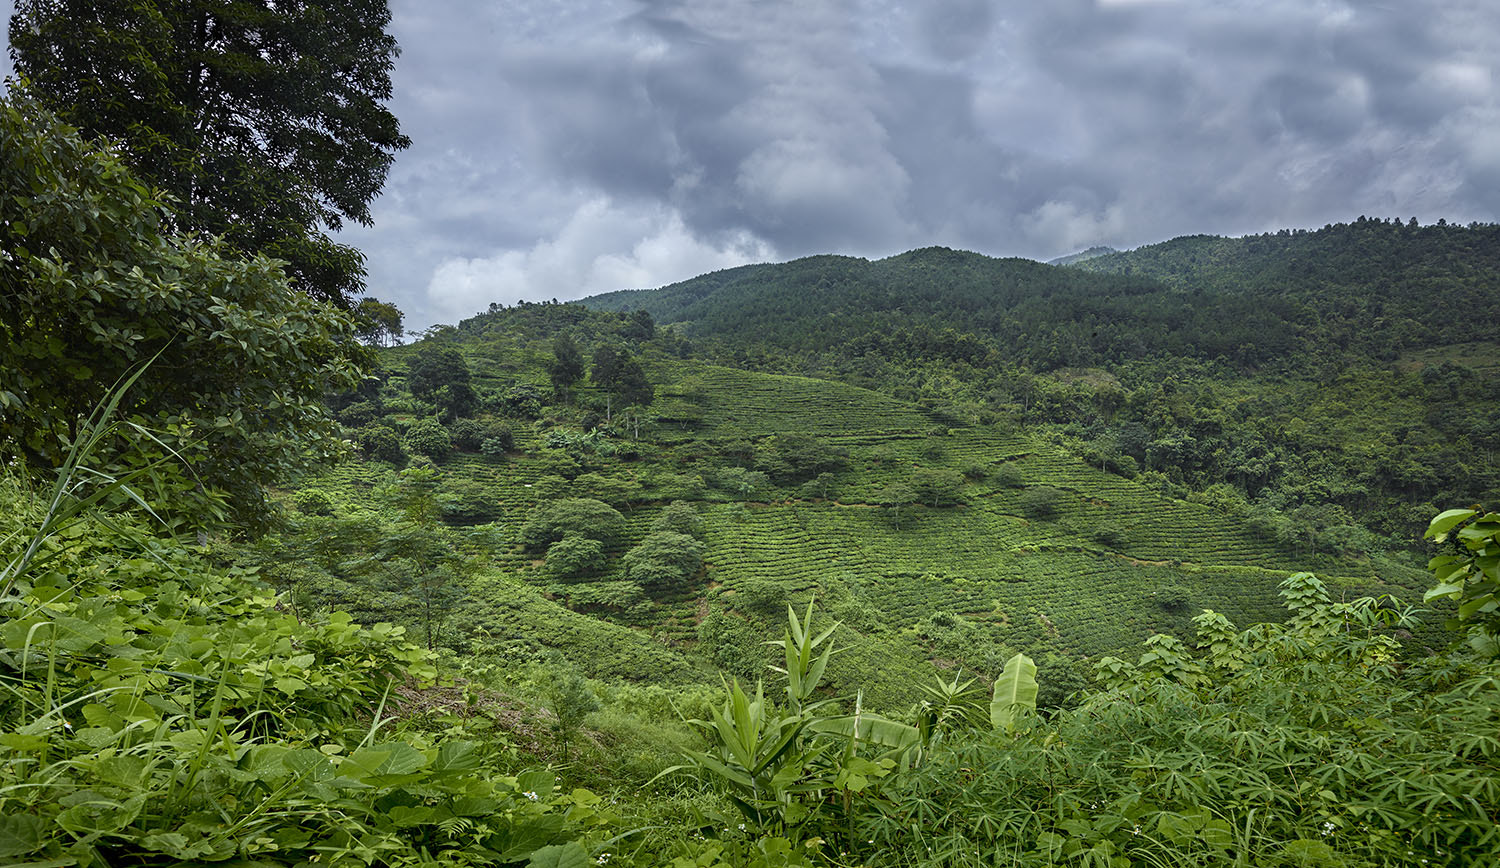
[[935, 543]]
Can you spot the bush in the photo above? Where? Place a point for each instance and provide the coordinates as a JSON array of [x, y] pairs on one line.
[[313, 501], [679, 517], [429, 437], [937, 487], [470, 435], [1008, 476], [974, 470], [584, 517], [575, 557], [1041, 502], [664, 561], [799, 457], [467, 502], [495, 447], [358, 414], [1174, 598], [382, 443]]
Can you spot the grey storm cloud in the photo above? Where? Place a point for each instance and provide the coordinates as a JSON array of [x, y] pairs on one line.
[[562, 149]]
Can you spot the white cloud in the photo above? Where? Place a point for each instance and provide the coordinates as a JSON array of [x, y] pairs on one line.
[[604, 246]]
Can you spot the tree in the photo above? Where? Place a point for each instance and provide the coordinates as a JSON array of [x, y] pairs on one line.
[[429, 437], [264, 121], [622, 377], [798, 457], [573, 517], [440, 374], [664, 561], [378, 322], [893, 497], [94, 286], [937, 487], [567, 363]]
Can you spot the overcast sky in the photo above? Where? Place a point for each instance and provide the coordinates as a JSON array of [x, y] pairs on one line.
[[562, 149]]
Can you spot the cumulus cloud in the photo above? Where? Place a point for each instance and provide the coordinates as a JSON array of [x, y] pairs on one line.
[[602, 247], [568, 148]]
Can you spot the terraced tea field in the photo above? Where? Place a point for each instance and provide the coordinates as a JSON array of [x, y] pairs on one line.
[[1110, 563]]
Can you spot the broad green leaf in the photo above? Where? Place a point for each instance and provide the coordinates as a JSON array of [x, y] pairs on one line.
[[1438, 528], [382, 763], [20, 834], [1447, 589], [1015, 691]]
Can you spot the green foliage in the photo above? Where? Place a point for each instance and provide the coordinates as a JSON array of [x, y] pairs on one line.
[[313, 501], [378, 322], [157, 710], [440, 374], [664, 562], [566, 367], [581, 516], [428, 437], [264, 123], [621, 377], [469, 435], [381, 442], [1471, 577], [937, 487], [1041, 502], [570, 700], [575, 557], [95, 285], [681, 518], [799, 457], [466, 502], [1014, 694]]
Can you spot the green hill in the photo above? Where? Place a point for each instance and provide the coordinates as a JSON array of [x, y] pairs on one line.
[[935, 542], [1339, 372]]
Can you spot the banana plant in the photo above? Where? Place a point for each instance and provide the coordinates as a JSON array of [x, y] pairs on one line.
[[1015, 694]]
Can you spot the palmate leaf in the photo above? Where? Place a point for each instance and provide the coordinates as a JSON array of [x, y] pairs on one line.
[[1015, 693]]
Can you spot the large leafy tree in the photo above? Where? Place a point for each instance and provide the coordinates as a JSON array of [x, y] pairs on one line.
[[92, 285], [263, 119]]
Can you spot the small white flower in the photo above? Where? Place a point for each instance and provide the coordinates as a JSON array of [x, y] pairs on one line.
[[530, 795], [603, 859], [742, 827]]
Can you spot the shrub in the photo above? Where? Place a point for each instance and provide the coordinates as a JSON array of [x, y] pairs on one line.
[[1041, 502], [467, 502], [313, 501], [575, 557], [664, 561], [470, 435], [974, 470], [1174, 598], [382, 443], [799, 457], [1008, 476], [581, 516], [937, 487], [358, 414], [679, 517], [429, 437], [495, 447]]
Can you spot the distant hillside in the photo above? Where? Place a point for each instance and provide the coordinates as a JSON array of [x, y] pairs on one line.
[[1303, 368], [1370, 289], [932, 540], [1091, 253]]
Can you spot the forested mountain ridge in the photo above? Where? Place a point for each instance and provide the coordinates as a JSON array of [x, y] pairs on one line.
[[1370, 287]]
